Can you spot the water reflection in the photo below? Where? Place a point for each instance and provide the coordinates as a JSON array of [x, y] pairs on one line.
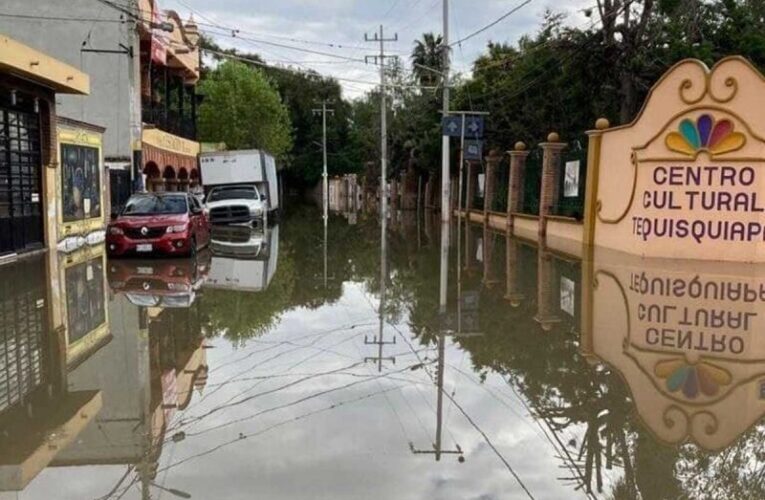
[[160, 282], [244, 258], [424, 361]]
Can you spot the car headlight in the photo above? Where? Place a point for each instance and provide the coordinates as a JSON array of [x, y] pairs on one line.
[[116, 231], [177, 229], [256, 210]]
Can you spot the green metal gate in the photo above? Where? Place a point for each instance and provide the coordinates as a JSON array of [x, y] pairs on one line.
[[572, 181], [532, 182]]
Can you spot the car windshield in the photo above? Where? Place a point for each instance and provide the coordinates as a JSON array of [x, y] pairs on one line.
[[237, 193], [156, 205]]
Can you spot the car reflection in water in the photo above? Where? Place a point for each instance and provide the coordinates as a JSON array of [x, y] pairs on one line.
[[160, 283], [244, 258]]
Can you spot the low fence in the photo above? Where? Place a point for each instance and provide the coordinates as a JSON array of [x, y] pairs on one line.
[[530, 190]]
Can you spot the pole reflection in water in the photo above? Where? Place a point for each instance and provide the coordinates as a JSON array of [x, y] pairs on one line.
[[379, 339], [231, 377]]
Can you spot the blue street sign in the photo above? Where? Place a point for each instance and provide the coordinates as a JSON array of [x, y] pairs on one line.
[[473, 149], [452, 126]]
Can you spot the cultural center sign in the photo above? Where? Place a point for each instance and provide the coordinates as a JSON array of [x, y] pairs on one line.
[[687, 340], [686, 179]]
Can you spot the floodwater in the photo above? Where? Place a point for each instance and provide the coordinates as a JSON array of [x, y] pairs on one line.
[[299, 363]]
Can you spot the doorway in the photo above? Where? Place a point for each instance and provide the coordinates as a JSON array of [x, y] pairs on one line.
[[21, 222]]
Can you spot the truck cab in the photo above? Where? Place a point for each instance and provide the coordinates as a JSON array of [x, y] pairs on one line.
[[236, 204]]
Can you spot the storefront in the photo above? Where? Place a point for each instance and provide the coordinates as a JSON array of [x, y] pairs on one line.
[[29, 81]]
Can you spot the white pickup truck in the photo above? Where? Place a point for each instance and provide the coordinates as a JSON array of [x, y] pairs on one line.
[[241, 186], [243, 259]]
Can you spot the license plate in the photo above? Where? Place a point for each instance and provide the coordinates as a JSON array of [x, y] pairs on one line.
[[144, 248], [145, 270]]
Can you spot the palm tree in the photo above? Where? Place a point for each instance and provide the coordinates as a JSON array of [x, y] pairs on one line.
[[427, 59]]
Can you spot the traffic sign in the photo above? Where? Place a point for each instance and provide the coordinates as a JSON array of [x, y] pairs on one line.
[[452, 126], [473, 149]]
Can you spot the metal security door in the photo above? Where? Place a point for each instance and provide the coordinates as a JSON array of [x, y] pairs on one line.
[[23, 331], [21, 224]]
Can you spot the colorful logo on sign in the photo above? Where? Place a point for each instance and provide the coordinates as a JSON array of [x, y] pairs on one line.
[[692, 379], [706, 134]]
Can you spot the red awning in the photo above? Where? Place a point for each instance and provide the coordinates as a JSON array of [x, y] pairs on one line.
[[163, 158]]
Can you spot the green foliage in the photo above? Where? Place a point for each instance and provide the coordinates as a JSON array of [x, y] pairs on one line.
[[243, 109], [427, 59], [560, 78], [239, 316], [302, 93]]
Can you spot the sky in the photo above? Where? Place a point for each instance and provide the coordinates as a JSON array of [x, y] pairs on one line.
[[324, 34]]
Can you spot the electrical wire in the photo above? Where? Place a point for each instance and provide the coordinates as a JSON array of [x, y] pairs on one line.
[[330, 77], [493, 23], [62, 18]]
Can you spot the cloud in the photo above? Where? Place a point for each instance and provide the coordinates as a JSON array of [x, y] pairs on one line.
[[344, 23]]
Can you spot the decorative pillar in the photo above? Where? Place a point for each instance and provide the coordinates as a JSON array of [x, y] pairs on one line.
[[548, 195], [489, 188], [513, 292], [547, 293], [593, 174], [515, 182]]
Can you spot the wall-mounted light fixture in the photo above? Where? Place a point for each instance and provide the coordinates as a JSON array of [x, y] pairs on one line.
[[14, 98], [37, 104]]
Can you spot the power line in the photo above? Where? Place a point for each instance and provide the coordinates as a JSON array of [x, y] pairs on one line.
[[233, 34], [493, 23], [62, 18], [317, 74]]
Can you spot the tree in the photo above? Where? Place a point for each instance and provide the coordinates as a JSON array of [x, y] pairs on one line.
[[427, 59], [243, 109], [302, 92]]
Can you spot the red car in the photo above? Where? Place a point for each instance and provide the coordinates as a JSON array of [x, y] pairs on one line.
[[165, 223]]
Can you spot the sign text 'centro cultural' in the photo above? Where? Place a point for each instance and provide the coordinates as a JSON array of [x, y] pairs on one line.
[[695, 163]]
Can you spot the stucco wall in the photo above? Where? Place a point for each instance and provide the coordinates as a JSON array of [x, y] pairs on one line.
[[565, 236], [109, 102]]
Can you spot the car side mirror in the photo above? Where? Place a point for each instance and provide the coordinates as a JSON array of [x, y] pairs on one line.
[[113, 216]]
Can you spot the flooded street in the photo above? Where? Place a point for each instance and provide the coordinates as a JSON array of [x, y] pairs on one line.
[[282, 365]]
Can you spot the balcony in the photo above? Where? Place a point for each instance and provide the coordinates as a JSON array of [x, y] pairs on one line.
[[182, 125]]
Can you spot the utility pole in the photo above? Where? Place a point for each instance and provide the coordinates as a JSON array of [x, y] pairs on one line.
[[325, 183], [445, 181], [380, 59]]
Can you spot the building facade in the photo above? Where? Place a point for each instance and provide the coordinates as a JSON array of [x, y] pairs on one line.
[[144, 65]]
